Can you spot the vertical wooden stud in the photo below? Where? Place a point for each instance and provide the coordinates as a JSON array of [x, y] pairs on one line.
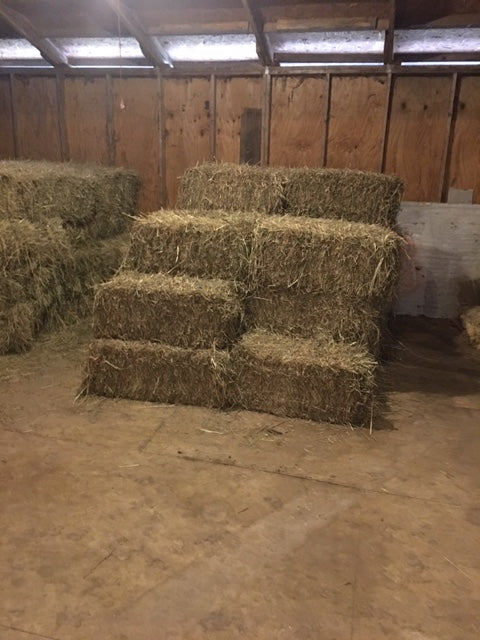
[[386, 122], [213, 116], [266, 118], [447, 153], [326, 119], [162, 134], [62, 122], [13, 112], [110, 120]]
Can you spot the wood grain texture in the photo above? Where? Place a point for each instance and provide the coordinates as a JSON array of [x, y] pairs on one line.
[[234, 95], [7, 139], [86, 116], [297, 121], [416, 140], [136, 125], [37, 114], [357, 116], [187, 128], [465, 158]]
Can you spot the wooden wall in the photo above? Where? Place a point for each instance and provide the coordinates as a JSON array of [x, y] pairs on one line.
[[424, 128]]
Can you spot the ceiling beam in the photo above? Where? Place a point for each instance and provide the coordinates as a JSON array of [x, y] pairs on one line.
[[151, 47], [25, 28], [328, 58], [255, 18], [388, 49]]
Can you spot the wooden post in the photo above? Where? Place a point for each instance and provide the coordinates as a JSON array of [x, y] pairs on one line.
[[386, 122], [13, 112], [62, 122], [110, 120], [161, 130], [266, 118], [326, 119], [213, 116], [447, 153]]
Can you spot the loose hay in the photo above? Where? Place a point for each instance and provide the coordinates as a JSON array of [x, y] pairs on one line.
[[177, 242], [300, 378], [157, 373], [471, 322], [91, 201], [309, 315], [358, 196], [176, 310], [331, 256], [232, 187]]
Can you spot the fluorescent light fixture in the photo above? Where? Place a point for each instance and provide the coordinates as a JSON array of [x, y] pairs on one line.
[[444, 63], [232, 47], [108, 48], [328, 42], [437, 40], [18, 49], [331, 64]]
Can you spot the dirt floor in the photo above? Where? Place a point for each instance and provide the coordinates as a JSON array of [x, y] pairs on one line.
[[133, 521]]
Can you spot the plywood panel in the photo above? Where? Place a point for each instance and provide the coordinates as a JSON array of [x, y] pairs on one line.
[[297, 127], [187, 128], [465, 158], [136, 123], [7, 140], [86, 116], [234, 95], [37, 118], [357, 115], [417, 134]]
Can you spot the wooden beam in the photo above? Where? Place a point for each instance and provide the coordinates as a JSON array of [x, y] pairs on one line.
[[255, 18], [319, 58], [213, 116], [266, 118], [110, 123], [326, 119], [447, 154], [388, 49], [62, 121], [25, 28], [386, 122], [13, 112], [151, 47]]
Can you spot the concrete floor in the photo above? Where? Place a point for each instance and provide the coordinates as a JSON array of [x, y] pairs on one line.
[[125, 520]]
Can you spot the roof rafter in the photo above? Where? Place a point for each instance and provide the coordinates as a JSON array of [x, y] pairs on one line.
[[256, 20], [25, 28], [152, 49]]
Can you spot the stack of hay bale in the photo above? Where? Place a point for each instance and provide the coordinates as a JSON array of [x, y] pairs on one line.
[[164, 325], [62, 230], [313, 293]]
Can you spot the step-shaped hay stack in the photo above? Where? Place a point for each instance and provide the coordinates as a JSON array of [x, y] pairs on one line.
[[254, 305], [62, 230]]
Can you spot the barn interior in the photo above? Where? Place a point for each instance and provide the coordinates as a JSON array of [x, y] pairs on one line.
[[240, 319]]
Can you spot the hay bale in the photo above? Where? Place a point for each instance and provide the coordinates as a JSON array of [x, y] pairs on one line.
[[231, 187], [34, 262], [17, 328], [92, 264], [157, 373], [176, 310], [471, 323], [358, 196], [310, 315], [298, 378], [91, 201], [176, 242], [331, 256]]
